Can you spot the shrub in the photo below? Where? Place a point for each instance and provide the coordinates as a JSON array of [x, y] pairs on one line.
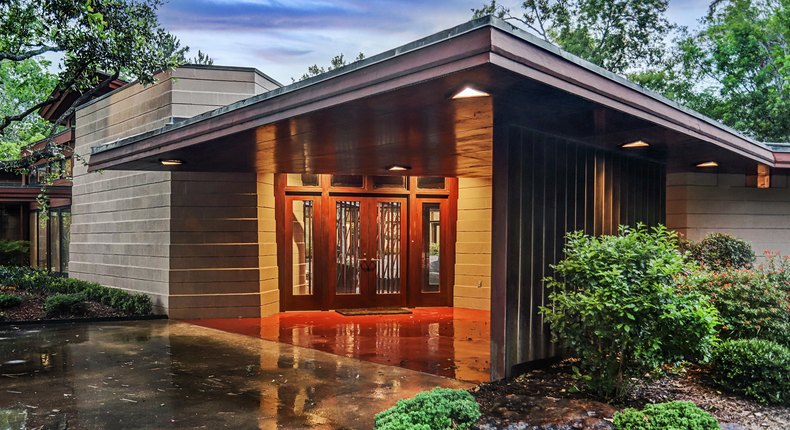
[[755, 367], [618, 310], [32, 279], [431, 410], [14, 253], [9, 301], [718, 252], [65, 303], [752, 303], [666, 416]]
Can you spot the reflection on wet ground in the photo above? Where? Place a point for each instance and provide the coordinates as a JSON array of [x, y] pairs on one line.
[[449, 342], [165, 374]]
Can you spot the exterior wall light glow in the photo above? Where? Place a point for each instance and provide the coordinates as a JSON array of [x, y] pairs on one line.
[[637, 144], [470, 92], [708, 164], [398, 168], [171, 162]]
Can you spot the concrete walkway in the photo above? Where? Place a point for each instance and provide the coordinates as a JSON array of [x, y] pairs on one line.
[[166, 374]]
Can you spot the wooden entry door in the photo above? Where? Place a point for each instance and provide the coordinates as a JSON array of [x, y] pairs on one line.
[[368, 252]]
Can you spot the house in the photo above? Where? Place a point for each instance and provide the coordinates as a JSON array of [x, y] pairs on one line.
[[20, 211], [444, 172]]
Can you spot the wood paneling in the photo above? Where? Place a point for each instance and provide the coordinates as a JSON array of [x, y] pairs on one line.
[[543, 187]]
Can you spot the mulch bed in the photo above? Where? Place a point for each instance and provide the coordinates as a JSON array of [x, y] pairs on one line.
[[694, 383], [32, 309]]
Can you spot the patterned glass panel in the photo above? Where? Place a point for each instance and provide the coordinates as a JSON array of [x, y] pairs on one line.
[[388, 248], [431, 228], [303, 217], [347, 240]]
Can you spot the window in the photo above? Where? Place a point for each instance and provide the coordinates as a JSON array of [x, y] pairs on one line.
[[49, 240]]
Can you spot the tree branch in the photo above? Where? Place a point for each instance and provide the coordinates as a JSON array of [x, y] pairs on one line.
[[52, 149], [28, 54], [7, 120]]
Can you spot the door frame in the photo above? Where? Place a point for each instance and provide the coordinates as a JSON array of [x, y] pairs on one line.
[[323, 192]]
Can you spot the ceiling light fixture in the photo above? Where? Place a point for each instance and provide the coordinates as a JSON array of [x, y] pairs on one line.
[[637, 144], [398, 168], [171, 162], [469, 92], [708, 164]]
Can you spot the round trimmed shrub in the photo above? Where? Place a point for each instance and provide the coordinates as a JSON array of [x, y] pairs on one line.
[[666, 416], [718, 252], [755, 367], [66, 303], [9, 301], [439, 409]]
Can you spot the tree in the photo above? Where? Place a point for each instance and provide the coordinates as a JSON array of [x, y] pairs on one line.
[[114, 36], [336, 63], [617, 35], [22, 85], [172, 46], [735, 68]]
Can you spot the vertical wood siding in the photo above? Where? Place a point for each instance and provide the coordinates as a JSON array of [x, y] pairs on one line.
[[545, 186]]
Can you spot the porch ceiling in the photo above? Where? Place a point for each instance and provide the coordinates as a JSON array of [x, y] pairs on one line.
[[396, 109]]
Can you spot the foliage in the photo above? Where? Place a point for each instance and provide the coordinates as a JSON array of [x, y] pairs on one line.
[[441, 408], [32, 279], [666, 416], [718, 252], [434, 249], [9, 301], [336, 63], [617, 307], [752, 303], [172, 47], [22, 85], [735, 68], [756, 367], [14, 253], [66, 303], [113, 36], [615, 34]]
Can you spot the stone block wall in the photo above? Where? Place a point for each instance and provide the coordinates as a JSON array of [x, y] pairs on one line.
[[472, 288]]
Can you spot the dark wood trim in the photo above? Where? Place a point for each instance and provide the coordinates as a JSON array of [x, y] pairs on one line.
[[279, 221]]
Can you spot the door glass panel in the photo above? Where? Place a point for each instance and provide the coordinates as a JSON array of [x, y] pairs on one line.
[[302, 247], [350, 181], [431, 229], [430, 183], [33, 239], [65, 238], [388, 248], [347, 254], [384, 182], [299, 180], [42, 244], [54, 237]]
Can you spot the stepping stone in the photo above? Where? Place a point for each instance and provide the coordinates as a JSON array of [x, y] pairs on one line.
[[732, 426]]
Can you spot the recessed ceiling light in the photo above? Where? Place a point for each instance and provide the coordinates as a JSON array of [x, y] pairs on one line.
[[637, 144], [399, 168], [708, 164], [171, 162], [470, 92]]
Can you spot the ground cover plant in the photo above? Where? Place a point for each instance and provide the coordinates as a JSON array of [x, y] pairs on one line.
[[666, 416], [9, 301], [41, 281], [755, 367], [439, 409], [615, 306]]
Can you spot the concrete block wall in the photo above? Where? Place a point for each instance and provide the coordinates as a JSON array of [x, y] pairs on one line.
[[267, 246], [163, 233], [473, 245], [702, 203], [214, 246]]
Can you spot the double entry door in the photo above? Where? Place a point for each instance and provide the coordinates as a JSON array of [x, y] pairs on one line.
[[350, 253]]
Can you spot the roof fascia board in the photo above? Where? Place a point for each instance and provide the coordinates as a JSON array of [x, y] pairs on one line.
[[533, 62]]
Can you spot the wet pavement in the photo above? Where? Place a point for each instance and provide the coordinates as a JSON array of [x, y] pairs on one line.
[[166, 374], [449, 342]]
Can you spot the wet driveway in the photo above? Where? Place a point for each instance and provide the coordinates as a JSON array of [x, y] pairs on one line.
[[165, 374]]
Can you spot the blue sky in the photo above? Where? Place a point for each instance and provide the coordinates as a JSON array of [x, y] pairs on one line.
[[282, 38]]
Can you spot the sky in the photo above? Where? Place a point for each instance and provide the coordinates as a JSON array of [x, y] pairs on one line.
[[282, 38]]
